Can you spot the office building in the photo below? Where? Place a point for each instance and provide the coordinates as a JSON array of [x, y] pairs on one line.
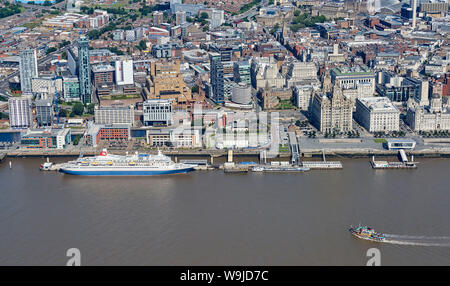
[[96, 133], [114, 115], [103, 74], [377, 114], [186, 138], [28, 69], [71, 89], [241, 93], [434, 6], [157, 112], [242, 72], [303, 95], [191, 9], [401, 89], [332, 112], [226, 52], [166, 82], [46, 139], [351, 77], [300, 71], [265, 74], [433, 117]]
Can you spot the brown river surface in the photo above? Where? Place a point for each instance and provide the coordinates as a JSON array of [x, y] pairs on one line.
[[212, 218]]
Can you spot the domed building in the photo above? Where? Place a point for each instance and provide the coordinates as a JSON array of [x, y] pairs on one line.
[[436, 116]]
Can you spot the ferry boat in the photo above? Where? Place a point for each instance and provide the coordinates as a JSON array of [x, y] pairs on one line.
[[367, 233], [46, 166], [279, 169], [137, 164]]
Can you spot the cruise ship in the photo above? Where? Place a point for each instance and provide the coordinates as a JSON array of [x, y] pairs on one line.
[[136, 164]]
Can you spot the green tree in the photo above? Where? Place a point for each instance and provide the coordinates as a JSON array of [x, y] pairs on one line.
[[142, 45], [204, 15], [76, 139], [91, 108], [50, 50], [78, 109], [4, 115], [63, 112]]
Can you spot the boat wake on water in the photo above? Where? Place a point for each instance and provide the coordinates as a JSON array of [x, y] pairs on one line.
[[443, 241], [416, 237], [367, 233]]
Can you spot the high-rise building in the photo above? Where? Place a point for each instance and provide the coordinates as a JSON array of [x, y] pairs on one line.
[[414, 11], [172, 5], [130, 35], [28, 69], [46, 87], [303, 95], [124, 72], [20, 112], [421, 97], [44, 112], [216, 78], [84, 70], [242, 93], [180, 17], [217, 18], [332, 113], [226, 52], [242, 72], [71, 88], [158, 18], [166, 82]]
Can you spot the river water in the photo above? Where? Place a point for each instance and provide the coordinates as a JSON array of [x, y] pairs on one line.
[[212, 218]]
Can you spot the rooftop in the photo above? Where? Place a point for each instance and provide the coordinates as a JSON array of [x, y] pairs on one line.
[[102, 68], [378, 104]]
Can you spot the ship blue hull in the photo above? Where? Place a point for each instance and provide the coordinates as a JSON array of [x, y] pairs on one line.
[[124, 173]]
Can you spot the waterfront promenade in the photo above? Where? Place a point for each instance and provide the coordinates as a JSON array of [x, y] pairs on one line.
[[308, 148]]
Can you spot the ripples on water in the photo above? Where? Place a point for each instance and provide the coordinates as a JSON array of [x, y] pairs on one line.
[[212, 218]]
